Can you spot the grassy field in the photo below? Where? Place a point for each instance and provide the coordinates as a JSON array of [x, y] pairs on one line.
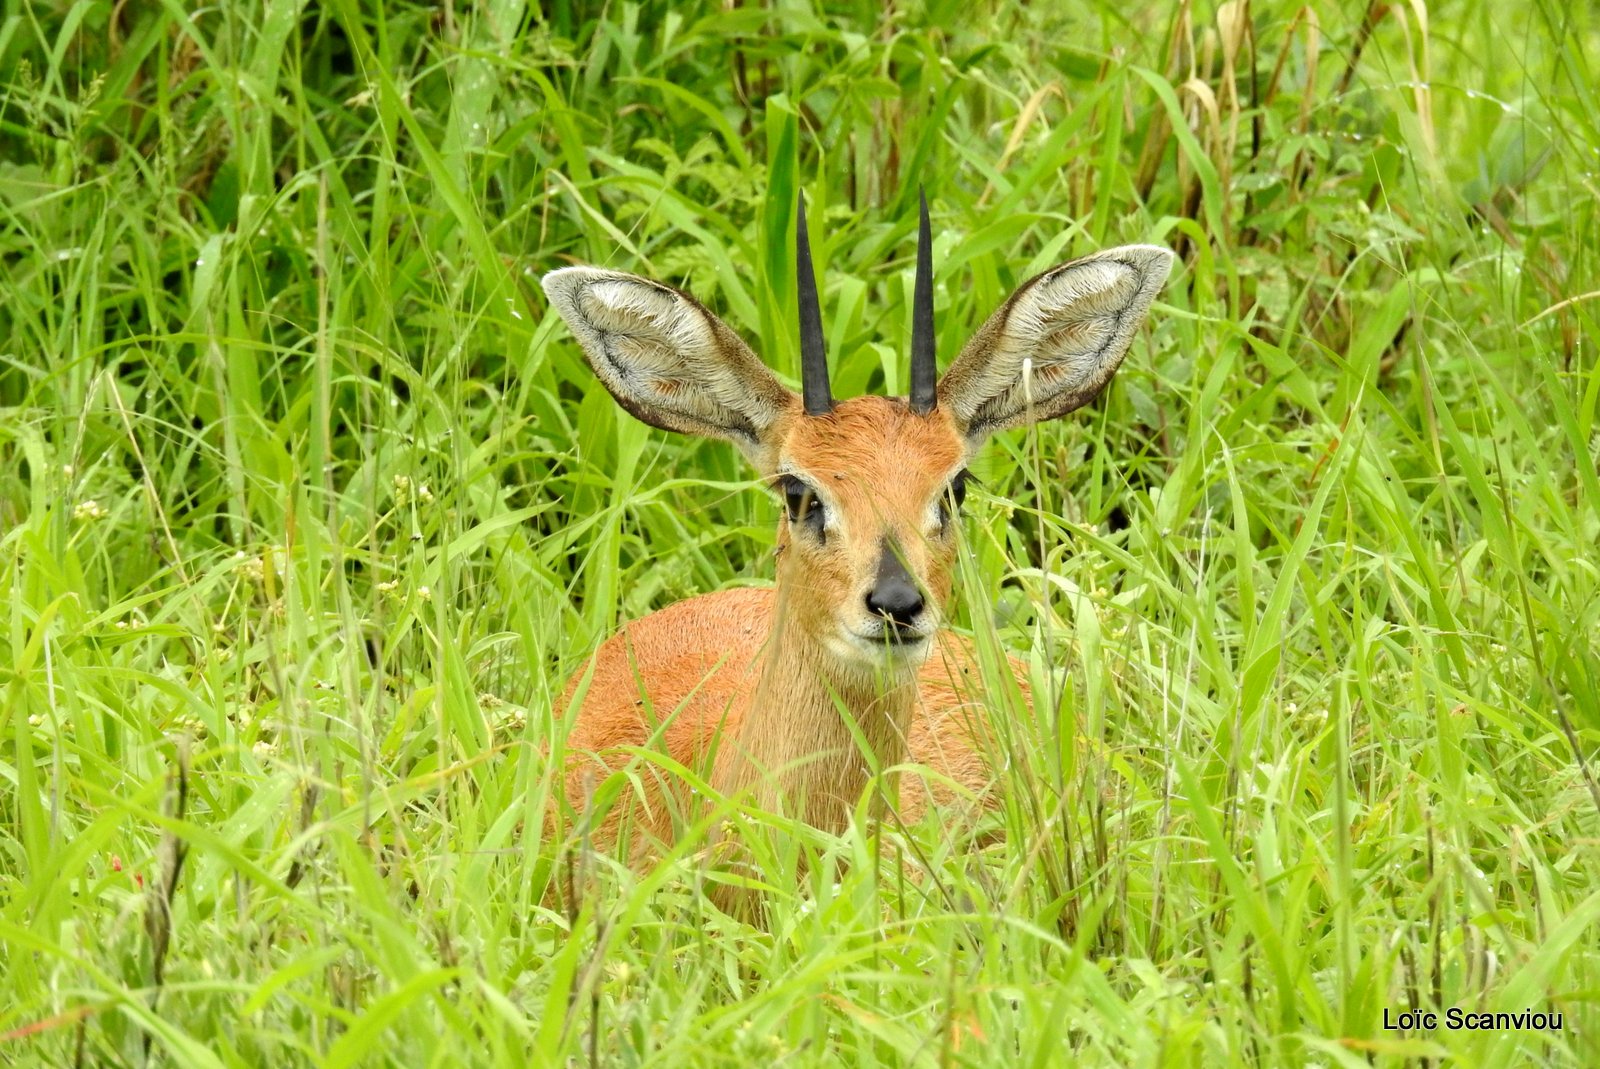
[[308, 506]]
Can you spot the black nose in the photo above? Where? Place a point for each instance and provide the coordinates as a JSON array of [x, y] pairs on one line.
[[894, 595], [899, 601]]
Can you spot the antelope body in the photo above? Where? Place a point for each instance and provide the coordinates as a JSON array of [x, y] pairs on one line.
[[871, 488]]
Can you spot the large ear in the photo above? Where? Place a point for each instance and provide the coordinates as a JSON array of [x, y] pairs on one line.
[[668, 360], [1055, 344]]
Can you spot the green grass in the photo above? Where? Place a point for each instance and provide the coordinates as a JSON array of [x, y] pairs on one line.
[[308, 506]]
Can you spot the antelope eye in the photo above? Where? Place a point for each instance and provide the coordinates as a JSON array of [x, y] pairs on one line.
[[954, 495], [958, 486], [802, 504]]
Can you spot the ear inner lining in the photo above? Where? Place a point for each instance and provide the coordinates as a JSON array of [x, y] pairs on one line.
[[1055, 343], [667, 360]]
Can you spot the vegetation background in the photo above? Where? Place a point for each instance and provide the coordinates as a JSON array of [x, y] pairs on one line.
[[308, 505]]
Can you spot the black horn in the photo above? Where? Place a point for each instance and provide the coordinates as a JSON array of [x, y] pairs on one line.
[[813, 357], [924, 367]]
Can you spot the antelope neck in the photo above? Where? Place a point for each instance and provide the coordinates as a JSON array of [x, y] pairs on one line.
[[794, 745]]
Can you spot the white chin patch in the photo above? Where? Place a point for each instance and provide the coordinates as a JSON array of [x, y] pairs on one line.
[[878, 652]]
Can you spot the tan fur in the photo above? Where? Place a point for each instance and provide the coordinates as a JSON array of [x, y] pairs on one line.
[[749, 674], [744, 688], [649, 673]]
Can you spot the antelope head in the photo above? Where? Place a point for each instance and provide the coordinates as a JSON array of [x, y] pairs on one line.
[[871, 486]]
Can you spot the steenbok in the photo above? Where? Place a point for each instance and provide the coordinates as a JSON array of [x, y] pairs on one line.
[[767, 691]]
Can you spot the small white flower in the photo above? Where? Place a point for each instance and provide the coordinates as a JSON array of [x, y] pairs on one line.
[[88, 511], [250, 565], [424, 593]]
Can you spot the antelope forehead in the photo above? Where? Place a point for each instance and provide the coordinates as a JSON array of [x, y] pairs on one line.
[[874, 455], [875, 431], [875, 488]]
